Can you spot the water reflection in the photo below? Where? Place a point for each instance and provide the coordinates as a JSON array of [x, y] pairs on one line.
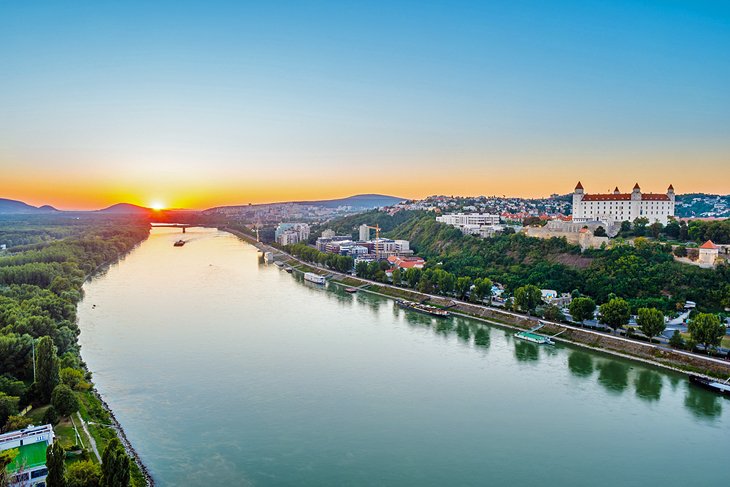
[[444, 327], [526, 351], [648, 385], [580, 364], [463, 331], [613, 375], [481, 337], [703, 404]]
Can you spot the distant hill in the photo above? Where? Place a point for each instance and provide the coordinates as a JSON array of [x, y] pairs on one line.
[[125, 209], [357, 202], [363, 201], [18, 207]]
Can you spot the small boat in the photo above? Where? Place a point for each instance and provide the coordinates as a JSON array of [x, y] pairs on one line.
[[351, 290], [179, 243], [422, 308], [288, 269], [315, 278], [711, 384], [529, 336]]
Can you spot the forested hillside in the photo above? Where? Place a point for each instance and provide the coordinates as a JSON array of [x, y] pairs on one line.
[[644, 274]]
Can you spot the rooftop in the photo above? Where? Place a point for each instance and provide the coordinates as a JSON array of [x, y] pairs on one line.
[[29, 456]]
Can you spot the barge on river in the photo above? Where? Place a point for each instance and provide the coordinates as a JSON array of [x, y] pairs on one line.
[[531, 336], [711, 384], [315, 278], [179, 243], [422, 308]]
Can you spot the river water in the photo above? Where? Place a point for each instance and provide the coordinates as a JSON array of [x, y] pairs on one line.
[[226, 371]]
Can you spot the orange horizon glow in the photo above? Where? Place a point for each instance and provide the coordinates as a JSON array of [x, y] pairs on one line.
[[93, 195]]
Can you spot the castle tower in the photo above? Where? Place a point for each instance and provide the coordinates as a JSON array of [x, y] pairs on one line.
[[577, 199], [616, 191], [670, 192]]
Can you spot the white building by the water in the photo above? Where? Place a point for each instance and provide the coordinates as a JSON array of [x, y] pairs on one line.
[[28, 468], [617, 207]]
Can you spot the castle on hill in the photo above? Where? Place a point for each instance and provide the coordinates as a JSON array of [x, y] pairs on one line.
[[616, 207]]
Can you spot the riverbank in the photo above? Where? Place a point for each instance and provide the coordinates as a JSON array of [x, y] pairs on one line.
[[677, 360]]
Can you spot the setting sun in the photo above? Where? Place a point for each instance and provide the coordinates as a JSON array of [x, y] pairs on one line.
[[157, 205]]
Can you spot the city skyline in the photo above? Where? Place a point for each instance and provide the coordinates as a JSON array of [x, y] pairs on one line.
[[193, 105]]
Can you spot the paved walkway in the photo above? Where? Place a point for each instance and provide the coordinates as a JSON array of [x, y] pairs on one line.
[[92, 443]]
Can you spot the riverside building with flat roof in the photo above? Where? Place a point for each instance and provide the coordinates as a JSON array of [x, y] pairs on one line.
[[28, 468]]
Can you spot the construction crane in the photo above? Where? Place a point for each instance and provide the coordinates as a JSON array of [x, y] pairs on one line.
[[377, 240]]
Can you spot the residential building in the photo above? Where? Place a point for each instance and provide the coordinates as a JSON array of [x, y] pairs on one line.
[[406, 262], [708, 254], [461, 219], [301, 229], [364, 233], [616, 207], [288, 237], [28, 468]]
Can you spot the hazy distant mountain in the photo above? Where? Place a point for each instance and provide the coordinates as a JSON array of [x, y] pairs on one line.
[[364, 201], [125, 209], [358, 202], [18, 207]]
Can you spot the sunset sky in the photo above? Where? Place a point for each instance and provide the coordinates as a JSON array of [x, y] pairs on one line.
[[198, 104]]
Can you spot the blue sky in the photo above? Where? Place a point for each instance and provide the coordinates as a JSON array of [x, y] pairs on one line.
[[252, 101]]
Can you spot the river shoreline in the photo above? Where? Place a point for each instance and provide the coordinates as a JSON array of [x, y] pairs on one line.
[[116, 425], [670, 359]]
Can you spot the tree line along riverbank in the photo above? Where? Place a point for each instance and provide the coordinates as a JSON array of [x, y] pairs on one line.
[[41, 280], [600, 341]]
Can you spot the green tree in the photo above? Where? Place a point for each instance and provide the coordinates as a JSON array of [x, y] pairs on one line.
[[83, 474], [706, 329], [64, 400], [55, 457], [115, 465], [655, 229], [527, 297], [8, 407], [552, 313], [71, 377], [676, 340], [16, 423], [397, 276], [6, 456], [600, 232], [482, 289], [615, 313], [640, 224], [680, 251], [463, 284], [650, 321], [46, 368], [50, 416], [413, 275], [582, 309]]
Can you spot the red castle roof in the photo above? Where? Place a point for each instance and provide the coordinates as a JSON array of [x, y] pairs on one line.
[[709, 245]]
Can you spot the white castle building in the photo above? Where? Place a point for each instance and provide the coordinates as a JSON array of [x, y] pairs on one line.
[[617, 207]]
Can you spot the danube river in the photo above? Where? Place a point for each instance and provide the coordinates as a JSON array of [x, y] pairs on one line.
[[226, 371]]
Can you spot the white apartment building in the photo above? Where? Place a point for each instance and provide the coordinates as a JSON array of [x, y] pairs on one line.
[[617, 207], [302, 229], [463, 219], [288, 237]]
